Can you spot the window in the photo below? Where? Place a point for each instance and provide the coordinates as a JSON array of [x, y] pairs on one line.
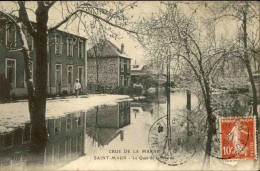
[[122, 65], [80, 49], [7, 35], [70, 74], [58, 45], [128, 80], [67, 43], [70, 47], [71, 44], [58, 78], [125, 81], [128, 66], [10, 36], [11, 72], [122, 80]]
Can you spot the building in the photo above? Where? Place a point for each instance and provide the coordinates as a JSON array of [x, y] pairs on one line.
[[66, 60], [137, 71], [108, 65]]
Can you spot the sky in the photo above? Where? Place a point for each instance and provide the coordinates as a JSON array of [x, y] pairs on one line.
[[143, 9], [132, 47]]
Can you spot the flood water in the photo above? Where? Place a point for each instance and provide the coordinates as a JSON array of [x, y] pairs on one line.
[[107, 137]]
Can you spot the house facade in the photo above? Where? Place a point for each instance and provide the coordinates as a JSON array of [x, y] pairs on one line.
[[66, 60], [108, 65]]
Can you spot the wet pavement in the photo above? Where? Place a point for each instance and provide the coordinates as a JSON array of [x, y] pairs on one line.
[[107, 137]]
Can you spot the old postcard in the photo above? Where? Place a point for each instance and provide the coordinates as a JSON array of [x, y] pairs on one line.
[[129, 85]]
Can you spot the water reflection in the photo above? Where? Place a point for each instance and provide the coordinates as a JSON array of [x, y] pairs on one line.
[[67, 136], [104, 123], [122, 126]]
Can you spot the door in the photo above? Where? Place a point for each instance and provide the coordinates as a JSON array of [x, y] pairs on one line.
[[58, 78], [70, 79], [10, 74]]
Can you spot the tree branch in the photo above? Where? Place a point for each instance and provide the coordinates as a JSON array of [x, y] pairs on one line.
[[94, 16], [62, 22], [51, 4], [25, 19]]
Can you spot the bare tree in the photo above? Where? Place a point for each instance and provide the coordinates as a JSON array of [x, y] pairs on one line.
[[246, 14], [101, 13], [181, 38]]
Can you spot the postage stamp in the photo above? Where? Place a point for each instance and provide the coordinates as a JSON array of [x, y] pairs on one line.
[[238, 138]]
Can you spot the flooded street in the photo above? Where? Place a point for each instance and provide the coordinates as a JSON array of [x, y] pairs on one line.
[[105, 135]]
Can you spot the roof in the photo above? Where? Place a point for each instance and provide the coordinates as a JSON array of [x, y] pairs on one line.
[[60, 29], [107, 49], [137, 67], [138, 70]]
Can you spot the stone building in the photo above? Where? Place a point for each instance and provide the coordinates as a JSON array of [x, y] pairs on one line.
[[66, 60], [108, 65]]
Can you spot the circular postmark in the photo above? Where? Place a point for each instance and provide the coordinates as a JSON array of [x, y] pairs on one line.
[[173, 140], [230, 139]]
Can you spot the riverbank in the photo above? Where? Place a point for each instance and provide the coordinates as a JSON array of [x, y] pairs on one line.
[[16, 114]]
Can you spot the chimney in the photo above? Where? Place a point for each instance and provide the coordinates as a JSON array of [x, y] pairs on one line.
[[122, 48]]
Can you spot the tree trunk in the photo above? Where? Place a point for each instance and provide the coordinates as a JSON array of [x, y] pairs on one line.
[[250, 74], [97, 69], [168, 95], [211, 122], [39, 131], [247, 62], [29, 82]]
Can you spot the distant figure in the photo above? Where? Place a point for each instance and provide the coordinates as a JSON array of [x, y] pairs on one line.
[[77, 87]]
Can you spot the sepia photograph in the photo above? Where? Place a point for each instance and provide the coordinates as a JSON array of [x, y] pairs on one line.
[[129, 85]]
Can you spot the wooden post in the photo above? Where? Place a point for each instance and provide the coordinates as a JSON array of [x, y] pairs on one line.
[[188, 106]]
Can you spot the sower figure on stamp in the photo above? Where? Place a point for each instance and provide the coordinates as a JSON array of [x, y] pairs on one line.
[[235, 135], [77, 87]]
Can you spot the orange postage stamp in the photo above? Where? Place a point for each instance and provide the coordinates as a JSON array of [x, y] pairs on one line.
[[238, 139]]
